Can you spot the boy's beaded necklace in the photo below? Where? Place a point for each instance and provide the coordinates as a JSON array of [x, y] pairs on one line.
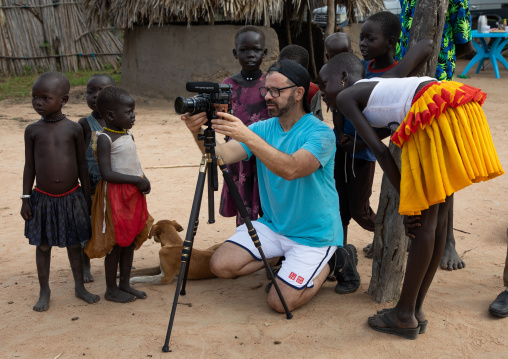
[[45, 119], [115, 131], [251, 78]]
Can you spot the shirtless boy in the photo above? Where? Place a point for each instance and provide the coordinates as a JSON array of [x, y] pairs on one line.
[[57, 210]]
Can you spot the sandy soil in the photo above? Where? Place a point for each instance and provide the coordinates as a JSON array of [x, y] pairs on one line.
[[230, 318]]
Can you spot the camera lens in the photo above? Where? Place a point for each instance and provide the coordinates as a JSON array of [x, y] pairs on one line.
[[193, 105], [183, 105]]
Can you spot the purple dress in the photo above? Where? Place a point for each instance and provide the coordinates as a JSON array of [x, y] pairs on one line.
[[250, 107]]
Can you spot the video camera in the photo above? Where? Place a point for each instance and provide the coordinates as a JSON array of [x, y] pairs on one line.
[[211, 98]]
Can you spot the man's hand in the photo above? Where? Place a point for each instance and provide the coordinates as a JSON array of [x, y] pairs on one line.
[[194, 122], [411, 222], [231, 126]]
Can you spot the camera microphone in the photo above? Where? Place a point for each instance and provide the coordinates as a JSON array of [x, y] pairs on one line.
[[203, 87]]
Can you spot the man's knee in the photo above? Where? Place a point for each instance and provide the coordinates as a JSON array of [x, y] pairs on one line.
[[220, 265], [290, 297], [217, 266]]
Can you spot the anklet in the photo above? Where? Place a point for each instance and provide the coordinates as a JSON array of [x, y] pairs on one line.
[[58, 119], [115, 131], [253, 77]]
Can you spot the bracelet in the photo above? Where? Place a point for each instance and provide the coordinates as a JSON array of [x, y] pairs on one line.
[[23, 196]]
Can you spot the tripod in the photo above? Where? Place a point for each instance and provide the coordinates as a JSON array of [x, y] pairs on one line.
[[209, 162]]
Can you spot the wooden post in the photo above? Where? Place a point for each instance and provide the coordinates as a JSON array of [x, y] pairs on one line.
[[390, 242], [287, 24], [330, 22], [311, 44]]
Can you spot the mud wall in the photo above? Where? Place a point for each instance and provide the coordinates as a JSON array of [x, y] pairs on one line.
[[159, 61]]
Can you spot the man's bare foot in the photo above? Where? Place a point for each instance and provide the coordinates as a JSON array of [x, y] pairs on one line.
[[88, 297], [87, 276], [369, 251], [137, 293], [451, 259], [116, 295], [43, 303]]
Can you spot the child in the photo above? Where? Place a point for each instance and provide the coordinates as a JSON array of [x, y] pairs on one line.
[[446, 146], [91, 125], [57, 211], [120, 219], [355, 164], [250, 107], [300, 55]]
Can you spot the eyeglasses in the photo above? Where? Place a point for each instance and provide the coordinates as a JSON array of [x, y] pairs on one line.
[[274, 91]]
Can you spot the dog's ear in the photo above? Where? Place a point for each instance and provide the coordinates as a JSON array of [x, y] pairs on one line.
[[177, 226], [153, 231]]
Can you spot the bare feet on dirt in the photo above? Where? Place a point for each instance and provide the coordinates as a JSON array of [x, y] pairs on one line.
[[43, 303], [88, 297], [451, 259], [116, 295], [137, 293]]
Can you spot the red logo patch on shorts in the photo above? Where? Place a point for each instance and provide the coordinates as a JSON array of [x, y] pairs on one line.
[[299, 280], [292, 276]]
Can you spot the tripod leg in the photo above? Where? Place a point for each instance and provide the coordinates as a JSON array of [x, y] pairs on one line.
[[253, 234], [211, 211], [187, 244], [211, 168]]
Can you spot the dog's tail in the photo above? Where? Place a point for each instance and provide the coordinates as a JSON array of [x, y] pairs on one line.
[[146, 271]]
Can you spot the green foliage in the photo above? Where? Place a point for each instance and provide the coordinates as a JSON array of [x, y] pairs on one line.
[[27, 70], [19, 87]]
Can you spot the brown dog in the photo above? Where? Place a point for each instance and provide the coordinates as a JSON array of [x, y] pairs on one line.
[[166, 233]]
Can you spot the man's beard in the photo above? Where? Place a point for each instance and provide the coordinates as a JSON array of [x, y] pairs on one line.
[[278, 112]]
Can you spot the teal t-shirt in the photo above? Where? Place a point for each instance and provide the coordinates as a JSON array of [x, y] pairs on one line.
[[305, 210]]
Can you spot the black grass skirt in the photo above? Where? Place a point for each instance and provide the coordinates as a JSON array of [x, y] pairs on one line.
[[58, 221]]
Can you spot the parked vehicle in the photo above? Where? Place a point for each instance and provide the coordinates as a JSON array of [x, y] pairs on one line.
[[320, 16], [495, 10]]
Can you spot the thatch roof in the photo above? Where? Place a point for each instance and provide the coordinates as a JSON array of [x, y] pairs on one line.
[[125, 14]]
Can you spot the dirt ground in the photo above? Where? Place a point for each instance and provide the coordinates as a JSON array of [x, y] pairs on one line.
[[230, 318]]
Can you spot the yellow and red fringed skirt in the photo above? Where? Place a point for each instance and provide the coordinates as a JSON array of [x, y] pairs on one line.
[[446, 145], [119, 216]]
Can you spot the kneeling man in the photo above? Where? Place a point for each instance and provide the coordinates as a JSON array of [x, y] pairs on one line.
[[295, 160]]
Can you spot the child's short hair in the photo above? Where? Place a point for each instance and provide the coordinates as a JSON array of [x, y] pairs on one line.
[[109, 79], [64, 85], [249, 28], [295, 53], [109, 97], [337, 38], [390, 23], [347, 61]]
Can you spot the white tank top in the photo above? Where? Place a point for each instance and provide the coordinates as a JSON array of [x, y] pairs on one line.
[[124, 156], [391, 99]]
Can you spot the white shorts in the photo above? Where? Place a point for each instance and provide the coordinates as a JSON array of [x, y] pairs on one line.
[[301, 264]]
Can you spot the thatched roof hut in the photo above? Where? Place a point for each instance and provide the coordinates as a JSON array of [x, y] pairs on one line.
[[125, 14], [42, 35], [170, 42]]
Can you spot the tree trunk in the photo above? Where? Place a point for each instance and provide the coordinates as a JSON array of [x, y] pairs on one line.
[[311, 45], [287, 24], [330, 22], [390, 242]]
